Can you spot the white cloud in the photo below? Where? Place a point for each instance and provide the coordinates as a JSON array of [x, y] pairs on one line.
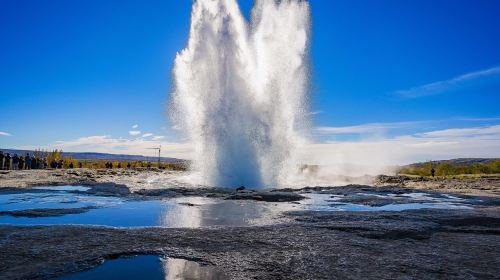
[[134, 132], [472, 132], [135, 126], [2, 133], [441, 86], [147, 135], [363, 128], [155, 138]]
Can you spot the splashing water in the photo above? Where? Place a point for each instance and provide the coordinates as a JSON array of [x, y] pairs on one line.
[[241, 91]]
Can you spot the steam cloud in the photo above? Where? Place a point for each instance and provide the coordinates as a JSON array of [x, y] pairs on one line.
[[241, 89]]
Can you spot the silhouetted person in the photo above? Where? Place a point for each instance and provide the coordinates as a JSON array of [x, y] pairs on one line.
[[34, 163], [53, 164], [7, 161], [60, 164], [80, 164], [21, 163], [119, 165], [128, 165], [2, 157], [433, 172], [27, 161], [71, 165], [15, 162]]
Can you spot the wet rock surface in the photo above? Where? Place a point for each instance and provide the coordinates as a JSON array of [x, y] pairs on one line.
[[266, 196], [45, 212], [423, 244]]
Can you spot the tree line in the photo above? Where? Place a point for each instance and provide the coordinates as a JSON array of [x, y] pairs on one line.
[[67, 162]]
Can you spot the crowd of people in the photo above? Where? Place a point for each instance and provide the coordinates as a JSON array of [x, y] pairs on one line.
[[30, 161], [20, 162]]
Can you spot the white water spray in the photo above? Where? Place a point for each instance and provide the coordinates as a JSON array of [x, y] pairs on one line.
[[241, 88]]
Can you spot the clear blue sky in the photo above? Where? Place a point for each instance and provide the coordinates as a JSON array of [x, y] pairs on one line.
[[72, 69]]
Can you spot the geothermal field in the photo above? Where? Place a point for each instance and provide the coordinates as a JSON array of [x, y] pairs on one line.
[[130, 224], [248, 201]]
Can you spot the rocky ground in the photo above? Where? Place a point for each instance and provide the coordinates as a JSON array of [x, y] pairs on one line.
[[412, 244], [154, 181], [487, 185], [423, 244]]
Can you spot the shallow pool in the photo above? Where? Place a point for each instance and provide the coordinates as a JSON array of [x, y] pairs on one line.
[[148, 267], [192, 212]]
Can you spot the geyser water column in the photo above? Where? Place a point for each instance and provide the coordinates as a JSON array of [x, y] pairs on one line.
[[240, 90]]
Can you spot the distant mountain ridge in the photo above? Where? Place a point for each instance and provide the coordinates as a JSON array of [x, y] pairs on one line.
[[100, 156]]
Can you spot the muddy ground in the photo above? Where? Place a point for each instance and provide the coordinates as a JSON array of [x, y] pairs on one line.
[[412, 244]]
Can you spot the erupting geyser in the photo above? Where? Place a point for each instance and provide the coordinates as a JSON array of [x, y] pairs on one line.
[[241, 88]]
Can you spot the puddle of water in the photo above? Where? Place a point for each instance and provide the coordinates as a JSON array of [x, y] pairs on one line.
[[396, 206], [195, 212], [208, 212], [120, 214], [148, 267], [322, 202], [189, 212]]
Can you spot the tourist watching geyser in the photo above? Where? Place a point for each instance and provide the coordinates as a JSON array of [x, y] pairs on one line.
[[27, 161], [1, 160]]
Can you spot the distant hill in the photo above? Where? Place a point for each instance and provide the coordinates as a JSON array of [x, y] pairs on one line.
[[101, 156], [456, 161]]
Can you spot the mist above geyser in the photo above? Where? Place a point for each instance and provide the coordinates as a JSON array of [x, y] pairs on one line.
[[240, 91]]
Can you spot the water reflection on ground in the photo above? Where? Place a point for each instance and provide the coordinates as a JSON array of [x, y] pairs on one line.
[[194, 212], [148, 267], [384, 202], [189, 212]]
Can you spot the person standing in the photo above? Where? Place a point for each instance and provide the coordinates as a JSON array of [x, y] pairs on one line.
[[27, 161], [15, 162], [2, 157], [21, 163], [7, 161], [33, 163]]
